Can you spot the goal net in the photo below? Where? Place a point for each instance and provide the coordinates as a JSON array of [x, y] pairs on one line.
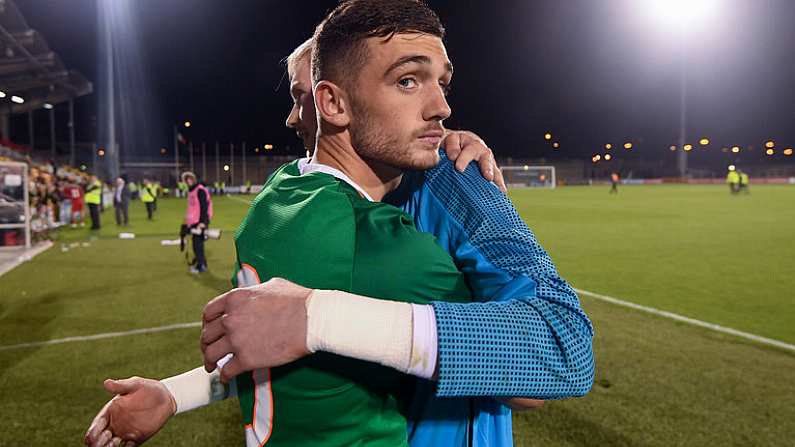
[[529, 176]]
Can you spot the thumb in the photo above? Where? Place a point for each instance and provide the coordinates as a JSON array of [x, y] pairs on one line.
[[122, 386]]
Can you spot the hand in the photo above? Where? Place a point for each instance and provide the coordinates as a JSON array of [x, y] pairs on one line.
[[140, 409], [521, 403], [201, 226], [263, 326], [463, 147]]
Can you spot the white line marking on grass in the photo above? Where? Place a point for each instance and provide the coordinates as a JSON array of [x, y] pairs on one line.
[[25, 256], [170, 327], [247, 202], [688, 320]]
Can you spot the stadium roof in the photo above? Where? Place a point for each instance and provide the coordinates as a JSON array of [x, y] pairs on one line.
[[30, 69]]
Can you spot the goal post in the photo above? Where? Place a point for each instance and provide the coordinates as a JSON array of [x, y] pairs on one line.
[[15, 225], [529, 176]]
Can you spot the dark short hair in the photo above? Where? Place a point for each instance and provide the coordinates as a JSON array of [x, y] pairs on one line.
[[340, 51]]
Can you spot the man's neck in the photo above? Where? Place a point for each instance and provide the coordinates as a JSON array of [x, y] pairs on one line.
[[372, 176]]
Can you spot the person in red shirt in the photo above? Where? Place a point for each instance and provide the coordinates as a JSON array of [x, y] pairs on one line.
[[74, 193]]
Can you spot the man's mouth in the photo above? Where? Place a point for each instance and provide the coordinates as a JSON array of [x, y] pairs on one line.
[[432, 137]]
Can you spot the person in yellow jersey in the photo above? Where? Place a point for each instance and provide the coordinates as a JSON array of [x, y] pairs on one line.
[[148, 193], [733, 179], [93, 198], [743, 183]]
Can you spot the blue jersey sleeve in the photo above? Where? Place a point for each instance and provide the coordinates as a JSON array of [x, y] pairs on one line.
[[527, 334]]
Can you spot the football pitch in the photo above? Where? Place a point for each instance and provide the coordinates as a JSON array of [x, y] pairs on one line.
[[692, 250]]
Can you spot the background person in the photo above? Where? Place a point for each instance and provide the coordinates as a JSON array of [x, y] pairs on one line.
[[93, 198], [197, 218], [121, 202]]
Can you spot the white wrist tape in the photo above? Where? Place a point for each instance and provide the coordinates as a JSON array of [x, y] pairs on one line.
[[425, 342], [196, 388], [363, 328]]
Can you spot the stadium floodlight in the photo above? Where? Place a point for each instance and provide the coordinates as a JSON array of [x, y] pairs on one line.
[[47, 106], [608, 146], [770, 144], [226, 168], [556, 145], [735, 149], [2, 94], [268, 147], [682, 13], [770, 152], [704, 141], [672, 148], [547, 136], [688, 147], [627, 145], [788, 152], [17, 99], [732, 167], [187, 123], [608, 157]]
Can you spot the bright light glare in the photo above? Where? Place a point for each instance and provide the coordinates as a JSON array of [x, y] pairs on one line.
[[608, 146], [732, 168], [547, 136], [704, 141], [226, 168], [682, 13], [608, 157], [672, 148], [47, 106], [770, 152], [2, 94], [627, 146], [556, 145], [735, 149], [788, 151], [688, 147], [17, 99]]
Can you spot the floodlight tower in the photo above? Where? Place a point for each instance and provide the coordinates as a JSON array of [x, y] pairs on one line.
[[681, 16]]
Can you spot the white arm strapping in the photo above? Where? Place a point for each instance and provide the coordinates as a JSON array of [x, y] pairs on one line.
[[196, 388], [378, 331]]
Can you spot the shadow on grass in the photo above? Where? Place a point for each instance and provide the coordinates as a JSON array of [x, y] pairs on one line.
[[31, 320], [212, 281], [569, 426]]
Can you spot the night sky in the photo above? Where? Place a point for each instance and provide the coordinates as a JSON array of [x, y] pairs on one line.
[[590, 72]]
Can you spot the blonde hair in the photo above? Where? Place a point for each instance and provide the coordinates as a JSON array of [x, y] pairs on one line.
[[302, 51]]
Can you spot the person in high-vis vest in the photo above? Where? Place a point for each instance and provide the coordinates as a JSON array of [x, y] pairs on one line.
[[93, 198], [148, 194], [197, 218]]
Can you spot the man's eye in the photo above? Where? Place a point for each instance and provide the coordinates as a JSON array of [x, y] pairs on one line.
[[407, 82]]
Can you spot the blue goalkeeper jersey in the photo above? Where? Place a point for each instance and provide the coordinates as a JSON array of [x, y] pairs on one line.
[[525, 336]]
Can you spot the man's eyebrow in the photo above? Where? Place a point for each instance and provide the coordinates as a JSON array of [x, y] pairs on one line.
[[414, 59]]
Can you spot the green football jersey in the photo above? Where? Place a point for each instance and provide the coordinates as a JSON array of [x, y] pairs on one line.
[[317, 231]]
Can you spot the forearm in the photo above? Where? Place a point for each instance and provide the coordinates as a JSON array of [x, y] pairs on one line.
[[513, 348], [197, 388]]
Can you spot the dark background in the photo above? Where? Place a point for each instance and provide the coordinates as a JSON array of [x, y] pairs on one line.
[[590, 72]]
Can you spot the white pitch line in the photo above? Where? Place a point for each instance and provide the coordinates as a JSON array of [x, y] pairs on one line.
[[692, 321], [247, 202], [170, 327]]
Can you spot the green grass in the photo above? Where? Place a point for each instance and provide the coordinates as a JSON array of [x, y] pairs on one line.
[[691, 250]]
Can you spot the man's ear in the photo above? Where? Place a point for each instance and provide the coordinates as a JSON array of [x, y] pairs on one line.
[[332, 104]]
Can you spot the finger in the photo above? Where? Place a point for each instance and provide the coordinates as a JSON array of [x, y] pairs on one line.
[[215, 308], [499, 179], [116, 441], [99, 424], [129, 444], [452, 145], [215, 351], [231, 370], [474, 150], [104, 437], [211, 332], [123, 386]]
